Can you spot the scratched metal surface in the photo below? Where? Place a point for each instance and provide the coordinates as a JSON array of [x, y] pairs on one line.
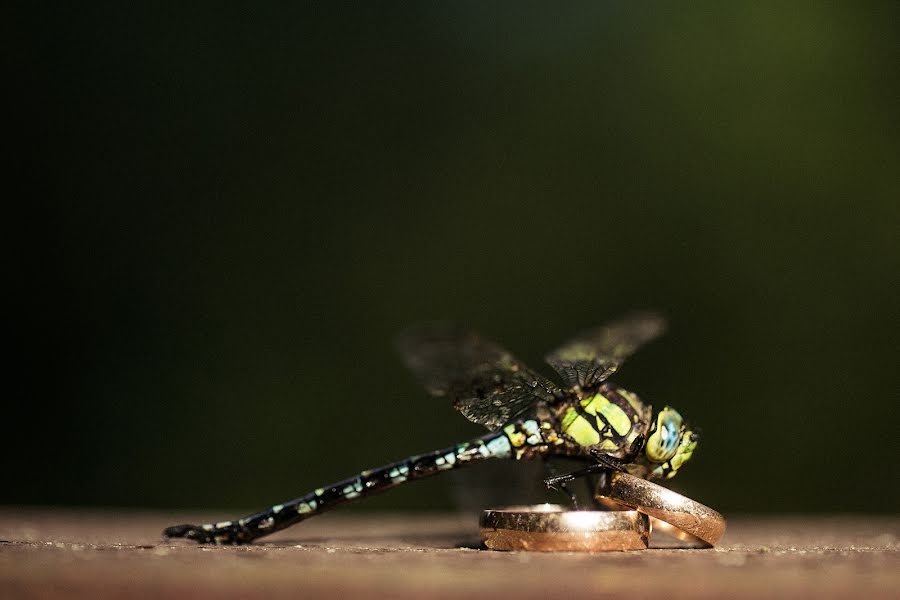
[[92, 554]]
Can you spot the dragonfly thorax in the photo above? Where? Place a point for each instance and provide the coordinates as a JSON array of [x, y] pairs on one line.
[[609, 420]]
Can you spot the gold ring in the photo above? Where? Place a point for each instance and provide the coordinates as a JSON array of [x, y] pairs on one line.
[[552, 528], [690, 521], [662, 535]]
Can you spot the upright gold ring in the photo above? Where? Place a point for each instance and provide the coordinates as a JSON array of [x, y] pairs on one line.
[[689, 520], [552, 528]]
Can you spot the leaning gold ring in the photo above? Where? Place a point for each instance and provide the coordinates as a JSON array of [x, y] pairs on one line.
[[552, 528], [687, 518]]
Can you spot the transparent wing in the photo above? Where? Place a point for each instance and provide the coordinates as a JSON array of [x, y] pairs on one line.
[[485, 382], [588, 359]]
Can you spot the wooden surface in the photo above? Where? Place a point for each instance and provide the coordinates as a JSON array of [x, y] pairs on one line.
[[67, 554]]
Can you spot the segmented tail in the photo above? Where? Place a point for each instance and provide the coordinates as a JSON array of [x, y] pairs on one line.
[[366, 483]]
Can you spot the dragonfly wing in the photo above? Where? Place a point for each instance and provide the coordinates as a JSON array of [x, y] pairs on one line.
[[485, 382], [588, 359]]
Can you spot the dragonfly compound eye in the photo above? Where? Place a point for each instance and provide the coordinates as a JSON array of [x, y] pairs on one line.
[[663, 442]]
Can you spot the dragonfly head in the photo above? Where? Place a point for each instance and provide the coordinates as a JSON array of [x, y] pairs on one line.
[[670, 444]]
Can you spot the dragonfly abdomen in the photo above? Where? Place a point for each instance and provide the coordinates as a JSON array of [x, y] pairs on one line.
[[364, 484]]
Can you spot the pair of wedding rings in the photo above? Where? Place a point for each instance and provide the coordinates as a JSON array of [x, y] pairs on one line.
[[638, 508]]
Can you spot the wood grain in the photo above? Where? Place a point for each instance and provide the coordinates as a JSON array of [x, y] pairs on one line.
[[93, 554]]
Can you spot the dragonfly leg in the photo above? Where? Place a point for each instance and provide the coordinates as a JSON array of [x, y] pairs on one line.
[[590, 483], [555, 482], [561, 485], [605, 462], [618, 464], [636, 446], [608, 461]]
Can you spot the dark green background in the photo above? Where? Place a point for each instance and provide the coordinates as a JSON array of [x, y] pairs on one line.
[[240, 206]]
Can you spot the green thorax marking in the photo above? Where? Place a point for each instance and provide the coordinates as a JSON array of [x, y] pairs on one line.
[[609, 420]]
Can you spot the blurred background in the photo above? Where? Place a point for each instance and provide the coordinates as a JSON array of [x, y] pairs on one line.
[[239, 207]]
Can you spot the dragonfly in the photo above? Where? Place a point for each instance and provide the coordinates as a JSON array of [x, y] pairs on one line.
[[528, 417]]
